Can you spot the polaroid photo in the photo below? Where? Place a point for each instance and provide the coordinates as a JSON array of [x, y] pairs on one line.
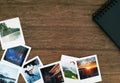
[[8, 73], [69, 58], [52, 73], [16, 55], [69, 69], [30, 70], [89, 71], [11, 33]]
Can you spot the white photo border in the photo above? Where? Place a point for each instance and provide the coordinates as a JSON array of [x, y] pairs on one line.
[[13, 44], [36, 57], [95, 78], [5, 61], [17, 78], [65, 59]]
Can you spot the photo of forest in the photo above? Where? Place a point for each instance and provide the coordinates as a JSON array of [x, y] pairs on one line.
[[8, 33]]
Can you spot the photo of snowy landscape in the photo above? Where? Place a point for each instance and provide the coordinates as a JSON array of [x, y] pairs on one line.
[[8, 74]]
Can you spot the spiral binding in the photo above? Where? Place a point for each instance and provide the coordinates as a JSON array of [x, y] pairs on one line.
[[107, 6]]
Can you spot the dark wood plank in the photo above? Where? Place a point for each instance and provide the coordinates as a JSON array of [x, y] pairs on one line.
[[68, 38], [55, 27]]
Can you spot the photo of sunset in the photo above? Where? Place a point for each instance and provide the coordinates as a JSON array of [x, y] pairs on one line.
[[87, 68]]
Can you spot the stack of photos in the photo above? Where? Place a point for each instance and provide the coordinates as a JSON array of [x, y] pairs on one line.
[[13, 62], [84, 70], [16, 52]]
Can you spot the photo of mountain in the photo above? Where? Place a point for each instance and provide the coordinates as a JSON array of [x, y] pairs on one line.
[[70, 70]]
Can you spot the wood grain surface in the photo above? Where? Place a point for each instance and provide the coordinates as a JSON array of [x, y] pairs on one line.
[[55, 27]]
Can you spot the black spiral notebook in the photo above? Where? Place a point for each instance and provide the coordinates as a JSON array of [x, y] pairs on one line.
[[108, 18]]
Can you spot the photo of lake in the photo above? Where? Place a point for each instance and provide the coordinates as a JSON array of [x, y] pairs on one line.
[[8, 74]]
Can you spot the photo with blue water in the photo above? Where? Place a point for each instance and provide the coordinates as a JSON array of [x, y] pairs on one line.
[[16, 55], [31, 72], [8, 74]]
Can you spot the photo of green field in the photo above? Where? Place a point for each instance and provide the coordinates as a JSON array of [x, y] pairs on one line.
[[69, 70]]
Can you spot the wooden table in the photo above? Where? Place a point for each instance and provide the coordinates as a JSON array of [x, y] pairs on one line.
[[55, 27]]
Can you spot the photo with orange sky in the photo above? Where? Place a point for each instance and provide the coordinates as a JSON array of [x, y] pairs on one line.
[[87, 67]]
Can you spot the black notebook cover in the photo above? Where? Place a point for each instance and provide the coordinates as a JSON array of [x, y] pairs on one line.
[[108, 18]]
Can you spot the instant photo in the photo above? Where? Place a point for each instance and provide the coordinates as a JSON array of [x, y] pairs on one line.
[[11, 33], [31, 72], [8, 74], [69, 69], [52, 73], [16, 55], [89, 69]]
